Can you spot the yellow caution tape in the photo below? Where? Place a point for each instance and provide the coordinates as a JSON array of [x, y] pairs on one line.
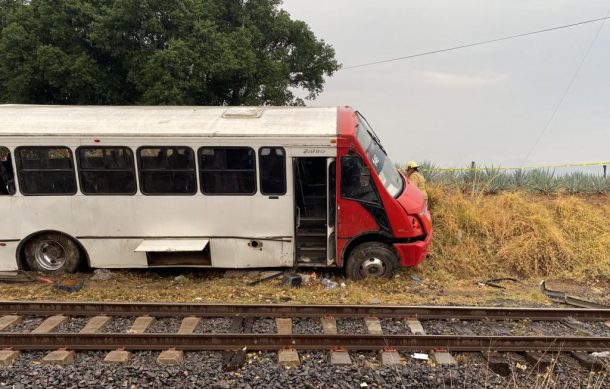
[[523, 167]]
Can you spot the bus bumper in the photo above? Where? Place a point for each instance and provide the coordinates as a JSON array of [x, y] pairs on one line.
[[412, 254]]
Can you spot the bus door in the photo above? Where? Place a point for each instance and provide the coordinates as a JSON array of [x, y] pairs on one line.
[[314, 210]]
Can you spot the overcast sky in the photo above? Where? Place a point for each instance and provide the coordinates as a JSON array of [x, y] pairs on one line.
[[487, 103]]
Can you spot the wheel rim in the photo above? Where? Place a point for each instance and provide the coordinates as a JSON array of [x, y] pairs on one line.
[[372, 267], [50, 255]]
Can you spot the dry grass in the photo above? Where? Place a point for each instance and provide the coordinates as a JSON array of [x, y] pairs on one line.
[[519, 234]]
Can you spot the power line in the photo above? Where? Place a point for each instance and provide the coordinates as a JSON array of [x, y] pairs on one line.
[[565, 92], [476, 43]]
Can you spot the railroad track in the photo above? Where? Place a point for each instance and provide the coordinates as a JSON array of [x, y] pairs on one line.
[[591, 329]]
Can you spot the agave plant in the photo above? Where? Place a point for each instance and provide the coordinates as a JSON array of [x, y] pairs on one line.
[[576, 182], [542, 181]]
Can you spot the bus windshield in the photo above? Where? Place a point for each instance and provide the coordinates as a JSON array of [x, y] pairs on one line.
[[384, 167]]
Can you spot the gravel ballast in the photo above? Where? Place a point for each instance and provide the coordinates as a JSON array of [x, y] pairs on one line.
[[204, 369]]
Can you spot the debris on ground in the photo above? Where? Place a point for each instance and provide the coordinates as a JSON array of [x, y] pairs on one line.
[[564, 298], [343, 285], [180, 278], [292, 280], [374, 301], [69, 284], [328, 284], [495, 282], [16, 276], [306, 278], [421, 356], [264, 276], [235, 273], [101, 275], [601, 354], [415, 278]]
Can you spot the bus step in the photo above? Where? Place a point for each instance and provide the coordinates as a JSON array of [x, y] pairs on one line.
[[311, 233], [313, 248]]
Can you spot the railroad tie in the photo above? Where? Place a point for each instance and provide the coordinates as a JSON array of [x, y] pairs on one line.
[[283, 325], [339, 356], [587, 361], [578, 326], [234, 359], [329, 325], [61, 357], [415, 326], [541, 361], [171, 357], [8, 320], [119, 356], [607, 323], [141, 324], [49, 324], [498, 363], [287, 356], [373, 325], [188, 325], [8, 357], [95, 324], [389, 357]]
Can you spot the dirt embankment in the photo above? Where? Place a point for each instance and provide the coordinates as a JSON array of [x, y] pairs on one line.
[[518, 234]]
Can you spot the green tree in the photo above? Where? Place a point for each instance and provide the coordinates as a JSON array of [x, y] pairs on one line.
[[200, 52]]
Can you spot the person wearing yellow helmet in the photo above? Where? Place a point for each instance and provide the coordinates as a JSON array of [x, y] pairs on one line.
[[417, 178]]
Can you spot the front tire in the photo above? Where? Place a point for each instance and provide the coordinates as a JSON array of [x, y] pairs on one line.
[[371, 260], [52, 253]]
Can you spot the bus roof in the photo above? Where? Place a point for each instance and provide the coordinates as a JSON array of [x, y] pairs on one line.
[[56, 120]]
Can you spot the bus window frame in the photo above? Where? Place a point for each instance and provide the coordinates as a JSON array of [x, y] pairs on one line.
[[11, 163], [139, 166], [20, 169], [261, 171], [201, 170], [79, 167], [379, 202]]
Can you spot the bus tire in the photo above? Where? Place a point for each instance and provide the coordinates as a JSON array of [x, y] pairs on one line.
[[371, 260], [52, 253]]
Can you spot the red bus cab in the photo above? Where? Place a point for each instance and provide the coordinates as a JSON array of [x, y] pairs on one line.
[[382, 219]]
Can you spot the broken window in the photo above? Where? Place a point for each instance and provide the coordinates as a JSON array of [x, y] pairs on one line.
[[272, 161], [356, 182], [7, 175], [227, 170], [45, 170], [167, 170], [106, 170]]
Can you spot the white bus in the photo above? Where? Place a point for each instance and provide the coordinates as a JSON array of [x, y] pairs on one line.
[[226, 187]]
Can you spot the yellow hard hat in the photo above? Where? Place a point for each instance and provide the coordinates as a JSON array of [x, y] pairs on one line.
[[412, 164]]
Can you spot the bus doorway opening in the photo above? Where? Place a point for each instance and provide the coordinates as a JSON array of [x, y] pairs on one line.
[[312, 205]]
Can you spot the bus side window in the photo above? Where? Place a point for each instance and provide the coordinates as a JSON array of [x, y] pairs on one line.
[[227, 170], [7, 175], [356, 182], [167, 170], [45, 170], [106, 170], [272, 162]]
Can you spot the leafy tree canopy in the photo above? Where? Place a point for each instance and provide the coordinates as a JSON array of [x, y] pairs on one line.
[[197, 52]]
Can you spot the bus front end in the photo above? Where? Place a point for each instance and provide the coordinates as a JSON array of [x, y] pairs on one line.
[[384, 221]]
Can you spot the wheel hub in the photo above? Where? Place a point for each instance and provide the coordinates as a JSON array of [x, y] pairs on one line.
[[50, 255], [373, 267]]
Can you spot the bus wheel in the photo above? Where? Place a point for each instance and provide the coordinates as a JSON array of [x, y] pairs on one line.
[[52, 253], [371, 260]]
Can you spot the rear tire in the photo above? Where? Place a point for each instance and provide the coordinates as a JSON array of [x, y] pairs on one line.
[[52, 253], [371, 260]]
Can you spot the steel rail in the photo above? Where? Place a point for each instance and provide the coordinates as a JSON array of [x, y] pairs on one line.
[[285, 310], [198, 342]]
